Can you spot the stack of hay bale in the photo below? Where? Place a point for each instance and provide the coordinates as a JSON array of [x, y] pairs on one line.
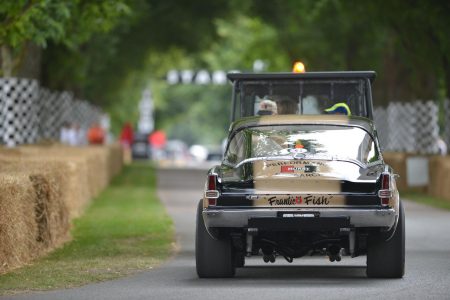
[[42, 188], [438, 172], [439, 175]]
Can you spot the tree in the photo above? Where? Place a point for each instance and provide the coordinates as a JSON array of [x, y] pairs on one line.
[[36, 22]]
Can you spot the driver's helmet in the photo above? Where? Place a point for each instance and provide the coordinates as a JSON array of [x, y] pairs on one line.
[[267, 107], [339, 109]]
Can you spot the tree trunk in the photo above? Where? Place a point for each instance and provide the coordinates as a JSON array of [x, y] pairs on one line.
[[7, 61], [446, 69], [28, 63]]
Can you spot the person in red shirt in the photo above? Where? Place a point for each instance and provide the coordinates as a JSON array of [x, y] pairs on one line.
[[126, 136]]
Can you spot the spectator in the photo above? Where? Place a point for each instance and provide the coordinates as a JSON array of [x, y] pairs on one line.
[[64, 133], [287, 107], [75, 136], [96, 134], [442, 146], [126, 136]]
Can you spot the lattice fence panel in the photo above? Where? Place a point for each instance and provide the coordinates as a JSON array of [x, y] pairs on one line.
[[53, 111], [29, 113], [18, 116], [447, 121], [85, 113], [380, 117], [427, 127], [409, 127]]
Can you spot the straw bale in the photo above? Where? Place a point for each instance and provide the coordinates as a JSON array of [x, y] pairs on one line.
[[98, 160], [397, 161], [436, 173], [42, 188], [18, 230], [105, 161], [439, 171], [50, 185], [36, 202], [444, 180], [91, 161], [116, 159], [72, 176]]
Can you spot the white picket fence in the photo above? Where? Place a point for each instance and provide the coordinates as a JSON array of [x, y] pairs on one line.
[[29, 113]]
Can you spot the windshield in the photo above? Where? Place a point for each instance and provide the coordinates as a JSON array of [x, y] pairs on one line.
[[300, 96], [294, 141]]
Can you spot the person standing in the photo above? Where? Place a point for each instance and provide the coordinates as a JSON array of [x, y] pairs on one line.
[[126, 135], [96, 134]]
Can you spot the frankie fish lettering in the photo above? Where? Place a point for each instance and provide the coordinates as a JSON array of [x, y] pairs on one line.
[[296, 200], [317, 200]]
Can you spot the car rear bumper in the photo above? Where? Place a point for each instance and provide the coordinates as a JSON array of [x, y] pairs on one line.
[[244, 218]]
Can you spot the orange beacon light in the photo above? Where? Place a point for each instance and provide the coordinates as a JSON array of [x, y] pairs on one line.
[[299, 67]]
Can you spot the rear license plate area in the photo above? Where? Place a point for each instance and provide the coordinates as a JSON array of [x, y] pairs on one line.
[[298, 214]]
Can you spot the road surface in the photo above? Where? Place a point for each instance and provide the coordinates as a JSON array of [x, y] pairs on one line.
[[427, 263]]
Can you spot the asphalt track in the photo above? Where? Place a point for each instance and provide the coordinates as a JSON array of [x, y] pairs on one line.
[[427, 263]]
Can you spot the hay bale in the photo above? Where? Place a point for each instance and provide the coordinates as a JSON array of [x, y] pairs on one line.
[[116, 159], [33, 217], [104, 161], [50, 185], [51, 212], [436, 173], [72, 177], [397, 161], [42, 188], [33, 199], [445, 190], [98, 157], [18, 230], [89, 162], [439, 173]]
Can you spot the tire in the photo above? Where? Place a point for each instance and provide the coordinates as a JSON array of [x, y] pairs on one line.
[[239, 260], [213, 257], [386, 258]]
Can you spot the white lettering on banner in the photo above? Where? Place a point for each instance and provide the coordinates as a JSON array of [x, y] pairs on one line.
[[173, 77], [219, 77], [186, 76], [202, 77]]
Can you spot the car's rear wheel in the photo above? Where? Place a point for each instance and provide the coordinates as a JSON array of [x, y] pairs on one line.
[[386, 259], [214, 257]]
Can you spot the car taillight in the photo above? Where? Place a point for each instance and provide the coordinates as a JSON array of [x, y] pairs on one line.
[[212, 193], [385, 193]]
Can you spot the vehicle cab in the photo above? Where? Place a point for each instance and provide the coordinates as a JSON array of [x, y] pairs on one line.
[[308, 93]]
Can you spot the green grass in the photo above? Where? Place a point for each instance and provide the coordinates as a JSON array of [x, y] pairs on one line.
[[423, 198], [125, 229]]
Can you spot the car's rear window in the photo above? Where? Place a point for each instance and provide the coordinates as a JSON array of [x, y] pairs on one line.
[[299, 96], [321, 141]]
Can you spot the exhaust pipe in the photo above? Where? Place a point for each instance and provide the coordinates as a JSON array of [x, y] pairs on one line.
[[334, 253], [268, 258]]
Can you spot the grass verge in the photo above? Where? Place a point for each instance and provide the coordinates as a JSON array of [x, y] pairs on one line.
[[125, 229], [426, 199]]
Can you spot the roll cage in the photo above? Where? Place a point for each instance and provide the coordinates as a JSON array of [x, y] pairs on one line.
[[327, 87]]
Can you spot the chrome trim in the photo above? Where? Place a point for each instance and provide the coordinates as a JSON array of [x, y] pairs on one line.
[[358, 217], [212, 194], [306, 157], [388, 191]]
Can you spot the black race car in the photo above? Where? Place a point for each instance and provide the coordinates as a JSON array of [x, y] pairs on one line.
[[294, 183]]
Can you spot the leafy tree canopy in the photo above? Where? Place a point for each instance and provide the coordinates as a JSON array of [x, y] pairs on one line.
[[109, 51]]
